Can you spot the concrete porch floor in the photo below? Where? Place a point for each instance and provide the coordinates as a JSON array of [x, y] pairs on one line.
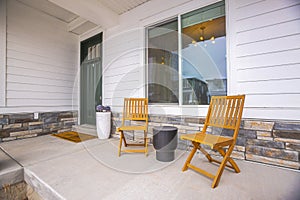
[[59, 169]]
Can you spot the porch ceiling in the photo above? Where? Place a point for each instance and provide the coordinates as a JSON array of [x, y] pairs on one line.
[[51, 9], [76, 24], [122, 6], [83, 16]]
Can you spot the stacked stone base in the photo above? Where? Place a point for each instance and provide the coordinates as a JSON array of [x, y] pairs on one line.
[[18, 191], [23, 125], [15, 191], [269, 142]]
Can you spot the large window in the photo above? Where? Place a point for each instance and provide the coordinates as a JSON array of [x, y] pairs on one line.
[[190, 67], [163, 78]]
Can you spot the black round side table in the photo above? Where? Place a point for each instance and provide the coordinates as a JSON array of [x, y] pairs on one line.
[[165, 142]]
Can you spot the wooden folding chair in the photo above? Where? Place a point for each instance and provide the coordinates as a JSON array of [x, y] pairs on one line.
[[224, 112], [135, 109]]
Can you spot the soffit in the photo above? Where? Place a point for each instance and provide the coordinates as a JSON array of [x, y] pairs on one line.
[[117, 6], [51, 9], [122, 6], [60, 13]]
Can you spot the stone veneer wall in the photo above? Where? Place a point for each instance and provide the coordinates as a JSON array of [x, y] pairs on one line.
[[15, 191], [270, 142], [23, 125], [21, 191]]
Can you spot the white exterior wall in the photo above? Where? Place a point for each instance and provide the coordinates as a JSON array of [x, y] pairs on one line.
[[42, 58], [263, 55], [124, 51], [42, 62], [2, 52]]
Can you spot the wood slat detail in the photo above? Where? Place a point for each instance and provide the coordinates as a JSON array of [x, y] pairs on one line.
[[224, 112], [201, 171]]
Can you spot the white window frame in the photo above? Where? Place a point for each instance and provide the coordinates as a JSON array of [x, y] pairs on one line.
[[163, 18]]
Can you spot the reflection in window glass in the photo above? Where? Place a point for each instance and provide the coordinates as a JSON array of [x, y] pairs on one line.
[[163, 63], [203, 57], [204, 54]]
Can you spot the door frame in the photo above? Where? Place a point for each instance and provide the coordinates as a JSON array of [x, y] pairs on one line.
[[85, 38]]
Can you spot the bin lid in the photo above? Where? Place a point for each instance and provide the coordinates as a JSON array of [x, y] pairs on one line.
[[165, 128]]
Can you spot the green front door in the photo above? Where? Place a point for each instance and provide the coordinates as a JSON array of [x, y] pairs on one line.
[[90, 78]]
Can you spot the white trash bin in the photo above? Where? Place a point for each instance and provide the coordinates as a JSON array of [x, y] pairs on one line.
[[103, 124]]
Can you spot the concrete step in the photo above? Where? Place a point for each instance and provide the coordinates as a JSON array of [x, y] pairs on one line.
[[11, 172], [85, 128], [39, 187]]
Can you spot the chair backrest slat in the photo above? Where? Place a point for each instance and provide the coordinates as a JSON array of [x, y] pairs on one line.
[[228, 109], [225, 112], [236, 111], [135, 109], [231, 116]]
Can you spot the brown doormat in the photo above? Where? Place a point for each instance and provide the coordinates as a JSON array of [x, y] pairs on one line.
[[74, 136]]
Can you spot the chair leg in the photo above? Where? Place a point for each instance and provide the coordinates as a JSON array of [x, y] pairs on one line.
[[120, 143], [124, 139], [205, 153], [146, 143], [191, 155], [145, 138], [222, 166], [230, 160]]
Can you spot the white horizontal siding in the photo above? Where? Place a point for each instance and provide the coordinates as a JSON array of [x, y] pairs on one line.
[[273, 101], [261, 73], [270, 19], [11, 78], [269, 46], [35, 108], [2, 52], [123, 70], [128, 39], [44, 67], [38, 102], [264, 56], [124, 64], [42, 62], [122, 67], [29, 56], [116, 79], [270, 87], [125, 85], [12, 70], [38, 95], [268, 60], [254, 8], [47, 53], [21, 87], [263, 33], [244, 3]]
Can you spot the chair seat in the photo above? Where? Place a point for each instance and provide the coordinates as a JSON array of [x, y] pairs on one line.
[[213, 141], [132, 128]]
